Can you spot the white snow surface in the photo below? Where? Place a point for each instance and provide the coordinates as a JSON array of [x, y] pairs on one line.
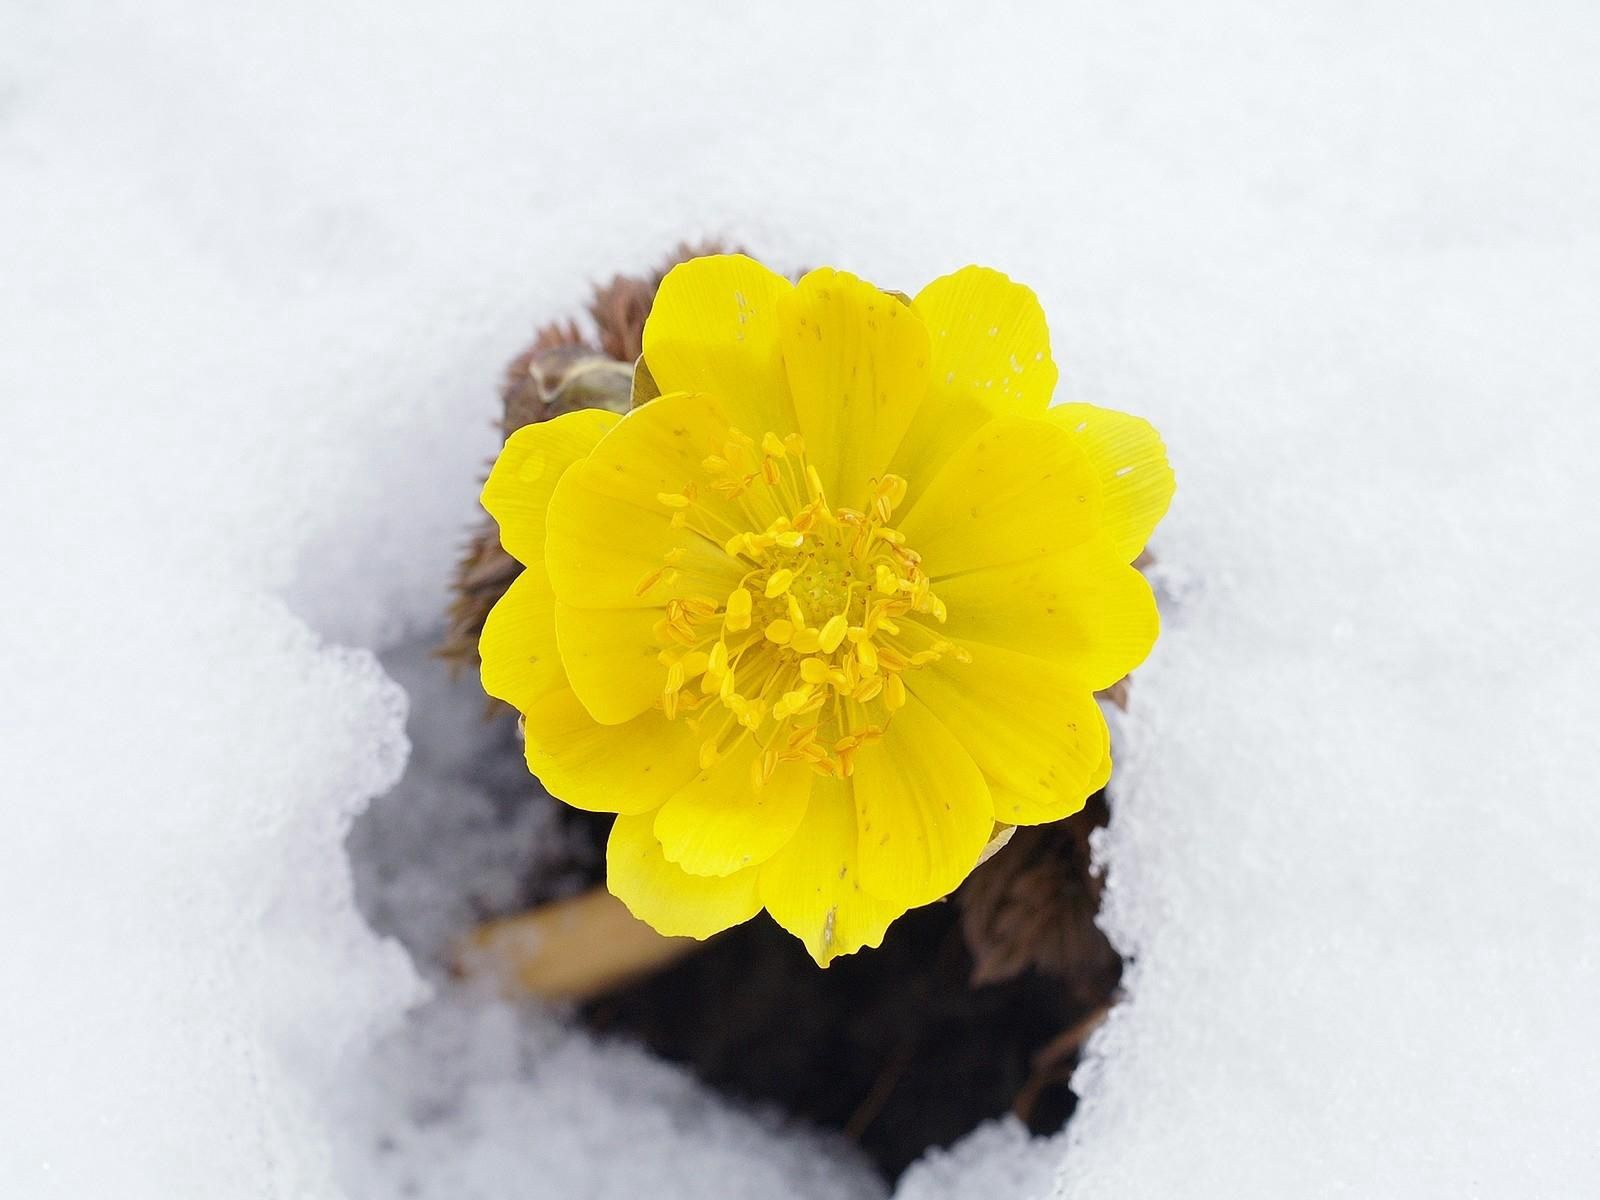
[[260, 267]]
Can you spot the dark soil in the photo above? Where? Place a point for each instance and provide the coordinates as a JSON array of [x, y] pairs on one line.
[[895, 1047]]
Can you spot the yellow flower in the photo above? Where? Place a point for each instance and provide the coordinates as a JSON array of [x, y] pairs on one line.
[[830, 609]]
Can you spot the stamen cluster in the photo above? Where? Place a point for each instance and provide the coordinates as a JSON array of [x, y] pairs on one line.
[[806, 655]]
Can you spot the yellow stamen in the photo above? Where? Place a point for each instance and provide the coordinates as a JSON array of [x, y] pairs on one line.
[[738, 614], [792, 702], [833, 632], [814, 483], [805, 688], [815, 670], [867, 655]]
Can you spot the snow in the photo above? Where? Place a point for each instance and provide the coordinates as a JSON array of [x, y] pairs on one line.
[[261, 267], [474, 1099], [478, 1102]]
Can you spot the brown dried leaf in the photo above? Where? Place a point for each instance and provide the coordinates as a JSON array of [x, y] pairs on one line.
[[1033, 905], [560, 372]]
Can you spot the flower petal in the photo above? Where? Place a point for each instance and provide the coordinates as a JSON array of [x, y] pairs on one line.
[[668, 898], [812, 885], [1037, 733], [719, 822], [520, 661], [610, 658], [990, 340], [534, 458], [990, 357], [1136, 482], [610, 534], [1018, 488], [1102, 773], [714, 328], [923, 810], [1084, 609], [857, 360], [628, 768]]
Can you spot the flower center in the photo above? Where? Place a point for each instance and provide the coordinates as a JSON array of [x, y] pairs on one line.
[[806, 655]]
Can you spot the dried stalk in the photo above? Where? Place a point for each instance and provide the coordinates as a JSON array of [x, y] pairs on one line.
[[570, 950]]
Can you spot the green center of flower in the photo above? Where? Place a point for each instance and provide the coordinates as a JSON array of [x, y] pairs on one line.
[[806, 655]]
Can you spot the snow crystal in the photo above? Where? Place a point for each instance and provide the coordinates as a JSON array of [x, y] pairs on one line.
[[261, 268], [998, 1158], [457, 839], [476, 1101]]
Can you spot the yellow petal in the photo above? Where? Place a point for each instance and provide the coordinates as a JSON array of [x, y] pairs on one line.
[[1136, 483], [518, 648], [629, 768], [990, 356], [610, 655], [534, 458], [1084, 609], [857, 360], [668, 898], [1037, 734], [989, 341], [943, 422], [923, 810], [1018, 488], [1102, 774], [609, 534], [714, 328], [812, 886], [720, 822]]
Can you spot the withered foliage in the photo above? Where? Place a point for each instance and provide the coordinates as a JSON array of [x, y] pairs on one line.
[[1033, 905], [563, 369]]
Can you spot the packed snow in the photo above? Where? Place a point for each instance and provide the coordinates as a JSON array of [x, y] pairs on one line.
[[260, 267]]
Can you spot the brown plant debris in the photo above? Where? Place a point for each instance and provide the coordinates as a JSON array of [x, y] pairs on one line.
[[571, 949], [561, 370], [1033, 907]]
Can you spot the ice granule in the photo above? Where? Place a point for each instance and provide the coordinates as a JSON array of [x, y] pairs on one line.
[[999, 1158], [475, 1100]]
